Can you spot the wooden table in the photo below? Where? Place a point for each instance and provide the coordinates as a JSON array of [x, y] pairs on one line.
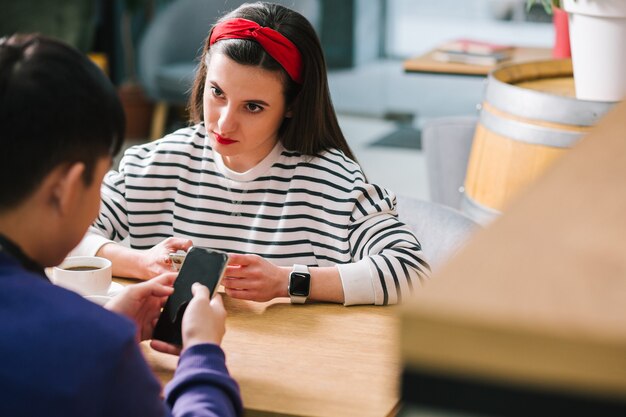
[[307, 360], [427, 64]]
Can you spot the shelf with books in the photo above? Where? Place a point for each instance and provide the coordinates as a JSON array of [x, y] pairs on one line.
[[473, 52]]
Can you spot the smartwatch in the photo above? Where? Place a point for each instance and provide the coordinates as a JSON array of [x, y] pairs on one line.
[[299, 284]]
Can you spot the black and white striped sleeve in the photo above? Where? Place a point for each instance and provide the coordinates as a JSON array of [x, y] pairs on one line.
[[382, 249], [111, 225]]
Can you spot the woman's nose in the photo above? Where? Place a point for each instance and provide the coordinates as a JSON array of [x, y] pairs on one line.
[[227, 120]]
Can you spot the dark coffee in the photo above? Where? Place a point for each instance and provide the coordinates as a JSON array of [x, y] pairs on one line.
[[81, 268]]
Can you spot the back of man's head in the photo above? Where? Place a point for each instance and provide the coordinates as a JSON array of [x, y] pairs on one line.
[[56, 107]]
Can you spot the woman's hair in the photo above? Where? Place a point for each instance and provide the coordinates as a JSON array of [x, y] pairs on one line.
[[56, 107], [313, 125]]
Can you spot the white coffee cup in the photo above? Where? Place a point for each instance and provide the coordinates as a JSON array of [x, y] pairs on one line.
[[86, 275], [98, 299]]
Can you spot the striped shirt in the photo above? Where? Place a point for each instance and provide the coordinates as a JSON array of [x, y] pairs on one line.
[[290, 209]]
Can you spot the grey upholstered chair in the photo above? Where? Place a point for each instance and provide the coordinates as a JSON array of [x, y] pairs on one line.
[[441, 230], [172, 42], [447, 142]]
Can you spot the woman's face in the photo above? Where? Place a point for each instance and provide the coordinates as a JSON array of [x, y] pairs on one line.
[[244, 107]]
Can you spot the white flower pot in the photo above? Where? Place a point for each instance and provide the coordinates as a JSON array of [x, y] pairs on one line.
[[598, 42]]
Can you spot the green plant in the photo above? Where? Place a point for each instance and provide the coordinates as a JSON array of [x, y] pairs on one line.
[[547, 4]]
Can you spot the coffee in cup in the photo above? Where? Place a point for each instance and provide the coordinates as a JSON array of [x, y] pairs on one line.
[[86, 275], [81, 268]]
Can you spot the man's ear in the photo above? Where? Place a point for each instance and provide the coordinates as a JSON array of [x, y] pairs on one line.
[[67, 187]]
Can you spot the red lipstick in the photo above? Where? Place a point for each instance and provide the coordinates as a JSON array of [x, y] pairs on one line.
[[222, 140]]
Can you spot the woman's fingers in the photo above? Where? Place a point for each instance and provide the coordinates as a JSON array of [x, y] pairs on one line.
[[240, 283], [241, 259], [239, 293], [234, 271], [177, 243]]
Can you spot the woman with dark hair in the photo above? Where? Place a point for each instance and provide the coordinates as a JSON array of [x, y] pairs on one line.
[[264, 173]]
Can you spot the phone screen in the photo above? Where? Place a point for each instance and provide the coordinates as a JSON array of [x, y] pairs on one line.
[[202, 265]]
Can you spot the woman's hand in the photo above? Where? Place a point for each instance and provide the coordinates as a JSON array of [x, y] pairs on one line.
[[156, 260], [143, 264], [252, 277], [142, 303]]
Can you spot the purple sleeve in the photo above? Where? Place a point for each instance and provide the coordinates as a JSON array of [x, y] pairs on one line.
[[133, 389], [202, 385]]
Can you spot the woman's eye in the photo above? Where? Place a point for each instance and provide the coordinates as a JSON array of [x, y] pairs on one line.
[[216, 92], [253, 108]]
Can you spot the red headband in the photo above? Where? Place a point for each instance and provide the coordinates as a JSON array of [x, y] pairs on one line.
[[277, 45]]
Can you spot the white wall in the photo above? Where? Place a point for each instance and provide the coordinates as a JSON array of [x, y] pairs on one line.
[[416, 26]]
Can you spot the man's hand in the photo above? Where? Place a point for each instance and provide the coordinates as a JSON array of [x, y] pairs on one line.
[[143, 302], [203, 321]]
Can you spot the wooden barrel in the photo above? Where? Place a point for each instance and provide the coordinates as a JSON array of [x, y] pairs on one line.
[[528, 119]]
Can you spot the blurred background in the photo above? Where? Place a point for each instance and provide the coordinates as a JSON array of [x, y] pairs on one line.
[[147, 47]]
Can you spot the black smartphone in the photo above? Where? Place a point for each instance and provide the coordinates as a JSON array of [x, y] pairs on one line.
[[202, 265]]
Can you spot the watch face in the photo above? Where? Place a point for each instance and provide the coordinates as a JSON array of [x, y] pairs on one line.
[[299, 284]]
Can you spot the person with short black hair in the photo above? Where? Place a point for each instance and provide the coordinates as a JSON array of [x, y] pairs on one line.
[[61, 122], [265, 174]]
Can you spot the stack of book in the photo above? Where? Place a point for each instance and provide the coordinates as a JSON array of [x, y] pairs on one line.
[[473, 52]]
